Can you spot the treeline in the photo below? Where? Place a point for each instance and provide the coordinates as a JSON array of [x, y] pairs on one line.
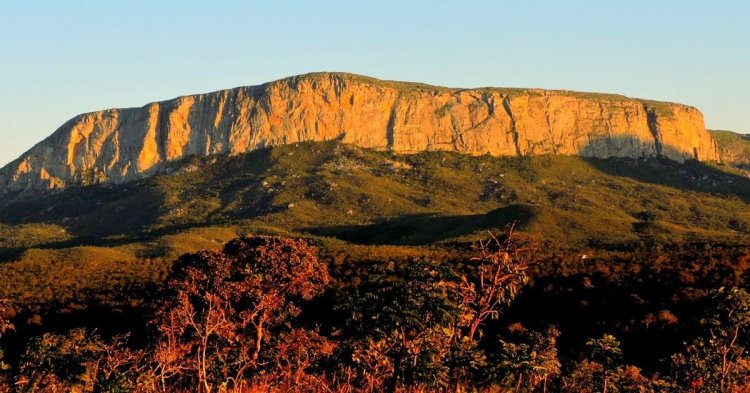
[[263, 315]]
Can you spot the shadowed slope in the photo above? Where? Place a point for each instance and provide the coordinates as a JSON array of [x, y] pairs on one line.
[[333, 189]]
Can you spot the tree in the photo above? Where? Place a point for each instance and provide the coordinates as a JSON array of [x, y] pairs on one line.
[[602, 370], [500, 272], [121, 368], [5, 327], [533, 362], [219, 309], [403, 314], [718, 361], [295, 352], [60, 362], [606, 352], [495, 276], [420, 322]]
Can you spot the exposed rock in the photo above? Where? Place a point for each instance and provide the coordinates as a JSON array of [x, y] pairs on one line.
[[734, 148], [119, 145]]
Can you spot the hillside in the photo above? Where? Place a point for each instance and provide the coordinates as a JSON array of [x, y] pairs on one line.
[[121, 145], [336, 194], [734, 148]]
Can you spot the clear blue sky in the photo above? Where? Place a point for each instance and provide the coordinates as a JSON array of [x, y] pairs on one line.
[[61, 58]]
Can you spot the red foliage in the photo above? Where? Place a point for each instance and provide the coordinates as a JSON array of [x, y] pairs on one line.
[[220, 306]]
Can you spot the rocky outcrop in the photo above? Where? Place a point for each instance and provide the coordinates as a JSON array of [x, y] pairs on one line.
[[733, 147], [119, 145]]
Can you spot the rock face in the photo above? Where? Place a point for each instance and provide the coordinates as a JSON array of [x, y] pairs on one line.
[[734, 148], [118, 145]]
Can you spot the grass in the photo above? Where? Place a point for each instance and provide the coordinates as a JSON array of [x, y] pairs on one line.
[[29, 235], [346, 198], [326, 187]]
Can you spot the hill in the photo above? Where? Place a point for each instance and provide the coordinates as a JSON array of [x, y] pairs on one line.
[[344, 197], [734, 148]]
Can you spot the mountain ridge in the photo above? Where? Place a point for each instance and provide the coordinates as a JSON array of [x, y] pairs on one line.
[[120, 145]]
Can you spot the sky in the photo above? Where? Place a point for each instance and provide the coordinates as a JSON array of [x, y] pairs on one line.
[[62, 58]]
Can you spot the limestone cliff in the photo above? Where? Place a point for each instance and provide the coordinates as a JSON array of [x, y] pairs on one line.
[[733, 147], [119, 145]]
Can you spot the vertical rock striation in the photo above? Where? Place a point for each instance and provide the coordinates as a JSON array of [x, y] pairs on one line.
[[118, 145]]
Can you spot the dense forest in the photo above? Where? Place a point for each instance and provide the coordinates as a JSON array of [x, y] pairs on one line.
[[503, 314]]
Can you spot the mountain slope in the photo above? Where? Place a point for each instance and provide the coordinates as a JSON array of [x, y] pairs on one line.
[[734, 148], [333, 188], [120, 145], [114, 238]]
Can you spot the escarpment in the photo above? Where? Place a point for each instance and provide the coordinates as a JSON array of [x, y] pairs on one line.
[[118, 145]]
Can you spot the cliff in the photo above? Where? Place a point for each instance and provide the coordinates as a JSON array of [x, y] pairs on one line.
[[733, 147], [118, 145]]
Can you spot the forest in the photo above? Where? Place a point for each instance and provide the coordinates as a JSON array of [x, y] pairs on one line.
[[272, 313]]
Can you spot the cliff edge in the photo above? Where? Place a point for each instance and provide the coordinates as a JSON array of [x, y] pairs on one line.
[[119, 145]]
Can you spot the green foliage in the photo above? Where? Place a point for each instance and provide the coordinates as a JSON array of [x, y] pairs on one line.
[[118, 275], [30, 235], [332, 192], [60, 362], [408, 296], [602, 370], [718, 360], [404, 312], [113, 245], [332, 189], [528, 364], [604, 350]]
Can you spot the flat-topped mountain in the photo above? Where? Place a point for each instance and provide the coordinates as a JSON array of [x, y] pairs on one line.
[[118, 145]]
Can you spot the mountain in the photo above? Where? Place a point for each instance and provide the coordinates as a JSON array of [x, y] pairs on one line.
[[120, 145], [321, 156]]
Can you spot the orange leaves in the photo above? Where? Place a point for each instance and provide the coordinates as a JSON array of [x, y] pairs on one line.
[[222, 316], [501, 270]]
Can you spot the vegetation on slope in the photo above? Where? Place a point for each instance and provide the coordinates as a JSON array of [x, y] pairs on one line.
[[734, 148], [79, 243], [324, 189]]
